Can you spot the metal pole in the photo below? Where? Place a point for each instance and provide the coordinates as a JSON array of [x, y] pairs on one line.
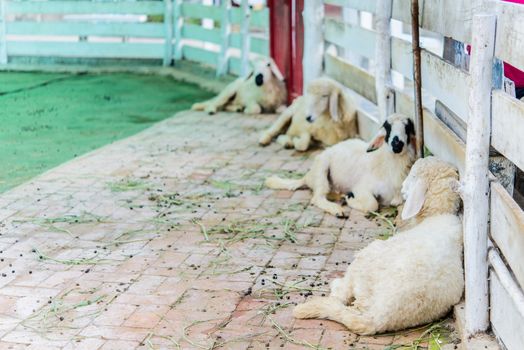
[[417, 77]]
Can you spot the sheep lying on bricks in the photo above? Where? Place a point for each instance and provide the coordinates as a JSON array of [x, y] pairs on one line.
[[263, 90], [413, 278], [369, 174], [325, 114]]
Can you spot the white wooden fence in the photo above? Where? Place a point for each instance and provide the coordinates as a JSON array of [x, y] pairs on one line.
[[220, 36], [367, 50]]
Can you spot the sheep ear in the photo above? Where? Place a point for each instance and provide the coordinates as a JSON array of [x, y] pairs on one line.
[[276, 71], [377, 141], [333, 105], [415, 200]]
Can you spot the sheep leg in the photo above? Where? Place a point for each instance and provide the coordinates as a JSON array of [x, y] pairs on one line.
[[277, 127], [285, 141], [253, 108], [302, 143], [363, 201], [341, 289], [331, 308], [317, 180]]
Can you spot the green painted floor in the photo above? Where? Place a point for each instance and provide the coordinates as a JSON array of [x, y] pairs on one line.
[[47, 119]]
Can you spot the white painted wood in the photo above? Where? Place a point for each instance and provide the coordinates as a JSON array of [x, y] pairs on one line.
[[508, 127], [225, 27], [168, 27], [351, 38], [244, 60], [507, 229], [438, 137], [475, 181], [178, 25], [439, 78], [85, 7], [3, 38], [355, 78], [507, 303], [451, 18], [385, 97], [361, 5], [312, 61], [510, 29]]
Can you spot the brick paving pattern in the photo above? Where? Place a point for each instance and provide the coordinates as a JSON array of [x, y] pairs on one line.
[[168, 240]]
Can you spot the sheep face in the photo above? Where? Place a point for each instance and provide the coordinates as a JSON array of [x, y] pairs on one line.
[[431, 184], [322, 97], [398, 132], [264, 71]]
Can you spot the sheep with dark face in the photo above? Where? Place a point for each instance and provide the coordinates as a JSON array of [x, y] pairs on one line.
[[411, 279], [369, 174], [262, 91], [325, 114]]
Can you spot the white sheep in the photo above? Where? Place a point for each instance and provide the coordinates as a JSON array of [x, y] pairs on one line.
[[325, 114], [263, 90], [413, 278], [369, 174]]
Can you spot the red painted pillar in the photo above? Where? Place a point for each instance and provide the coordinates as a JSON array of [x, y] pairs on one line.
[[286, 41]]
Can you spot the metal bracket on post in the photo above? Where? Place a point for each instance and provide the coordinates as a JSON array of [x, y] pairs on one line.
[[476, 175], [168, 32], [178, 20], [246, 39], [312, 62], [3, 37], [222, 64], [383, 82]]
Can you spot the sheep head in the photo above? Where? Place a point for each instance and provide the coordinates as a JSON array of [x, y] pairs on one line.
[[430, 189]]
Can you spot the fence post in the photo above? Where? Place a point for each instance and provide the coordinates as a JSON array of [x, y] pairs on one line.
[[246, 39], [179, 23], [313, 58], [385, 97], [3, 38], [476, 181], [222, 64], [168, 27]]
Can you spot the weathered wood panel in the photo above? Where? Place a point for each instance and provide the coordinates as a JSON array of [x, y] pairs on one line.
[[510, 32], [439, 139], [201, 11], [85, 49], [361, 5], [450, 18], [507, 229], [508, 127], [507, 322], [353, 38], [191, 31], [439, 78], [367, 116], [200, 55], [147, 30], [85, 7], [257, 19], [355, 78]]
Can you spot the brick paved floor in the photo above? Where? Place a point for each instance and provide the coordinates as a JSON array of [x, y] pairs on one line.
[[168, 240]]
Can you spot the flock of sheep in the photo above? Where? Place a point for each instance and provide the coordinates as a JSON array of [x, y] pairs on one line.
[[416, 276]]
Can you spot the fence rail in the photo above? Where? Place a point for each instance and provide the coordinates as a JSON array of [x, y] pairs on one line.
[[153, 29]]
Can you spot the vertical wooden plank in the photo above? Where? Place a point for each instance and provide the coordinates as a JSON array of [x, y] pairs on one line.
[[179, 23], [3, 30], [475, 181], [225, 28], [168, 34], [246, 40], [385, 96], [313, 40]]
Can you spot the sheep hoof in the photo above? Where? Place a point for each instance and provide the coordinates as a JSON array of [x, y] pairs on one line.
[[341, 215]]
